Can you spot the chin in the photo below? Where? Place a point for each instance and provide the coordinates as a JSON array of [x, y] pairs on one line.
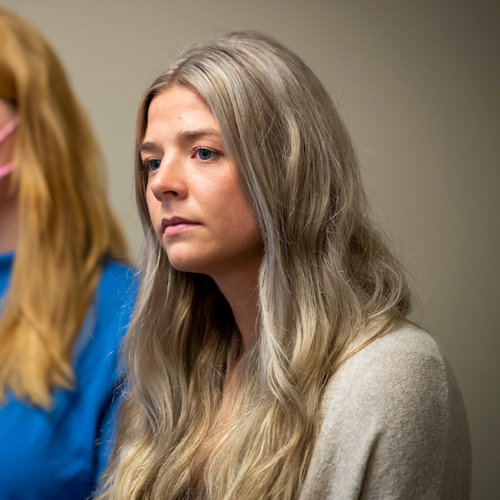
[[181, 267], [186, 265]]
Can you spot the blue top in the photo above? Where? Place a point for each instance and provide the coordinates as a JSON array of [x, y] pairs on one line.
[[59, 454]]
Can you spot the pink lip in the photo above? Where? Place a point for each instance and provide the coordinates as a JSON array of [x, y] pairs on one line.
[[177, 225]]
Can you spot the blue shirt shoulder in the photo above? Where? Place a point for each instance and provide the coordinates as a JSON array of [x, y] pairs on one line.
[[58, 454]]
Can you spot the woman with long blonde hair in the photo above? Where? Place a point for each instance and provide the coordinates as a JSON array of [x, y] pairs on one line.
[[270, 356], [66, 289]]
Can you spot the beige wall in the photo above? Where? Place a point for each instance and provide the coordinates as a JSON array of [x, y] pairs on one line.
[[418, 82]]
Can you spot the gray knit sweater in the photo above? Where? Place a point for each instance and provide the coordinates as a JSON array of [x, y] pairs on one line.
[[394, 428]]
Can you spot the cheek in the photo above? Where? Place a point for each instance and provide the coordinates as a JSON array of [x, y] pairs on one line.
[[154, 209], [250, 234], [149, 202], [243, 221], [7, 150]]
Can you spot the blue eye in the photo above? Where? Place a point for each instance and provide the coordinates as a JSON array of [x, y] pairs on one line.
[[150, 165], [205, 154]]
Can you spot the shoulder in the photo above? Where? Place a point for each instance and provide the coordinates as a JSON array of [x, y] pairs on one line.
[[403, 359], [118, 284], [407, 341], [116, 296], [398, 374], [394, 423], [400, 377], [109, 314]]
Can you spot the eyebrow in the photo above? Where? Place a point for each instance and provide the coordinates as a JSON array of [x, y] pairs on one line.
[[184, 135], [190, 135], [147, 146]]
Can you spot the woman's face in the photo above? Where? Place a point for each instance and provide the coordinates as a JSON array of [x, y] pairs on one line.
[[197, 208]]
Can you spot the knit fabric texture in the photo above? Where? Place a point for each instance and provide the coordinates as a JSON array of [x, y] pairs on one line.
[[394, 426]]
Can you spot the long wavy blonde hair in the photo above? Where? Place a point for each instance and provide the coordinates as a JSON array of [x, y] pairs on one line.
[[325, 279], [66, 227]]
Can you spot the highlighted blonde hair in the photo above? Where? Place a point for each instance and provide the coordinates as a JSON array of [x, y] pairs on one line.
[[66, 227], [325, 280]]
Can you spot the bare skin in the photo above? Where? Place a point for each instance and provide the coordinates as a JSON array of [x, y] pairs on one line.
[[240, 290], [8, 218], [8, 197]]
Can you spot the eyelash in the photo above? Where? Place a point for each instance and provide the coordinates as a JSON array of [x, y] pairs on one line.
[[215, 154], [146, 163]]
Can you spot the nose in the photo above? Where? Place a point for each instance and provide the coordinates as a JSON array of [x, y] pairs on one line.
[[169, 180]]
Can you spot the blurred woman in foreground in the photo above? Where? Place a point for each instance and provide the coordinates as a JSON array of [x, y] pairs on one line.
[[270, 357], [66, 288]]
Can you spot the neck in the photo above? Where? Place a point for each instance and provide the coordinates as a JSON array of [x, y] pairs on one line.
[[241, 292], [8, 218]]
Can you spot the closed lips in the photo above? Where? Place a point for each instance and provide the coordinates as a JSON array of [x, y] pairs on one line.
[[176, 221]]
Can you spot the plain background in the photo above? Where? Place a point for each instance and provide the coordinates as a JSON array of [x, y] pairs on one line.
[[417, 82]]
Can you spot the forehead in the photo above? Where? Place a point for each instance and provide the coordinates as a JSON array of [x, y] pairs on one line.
[[182, 107]]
